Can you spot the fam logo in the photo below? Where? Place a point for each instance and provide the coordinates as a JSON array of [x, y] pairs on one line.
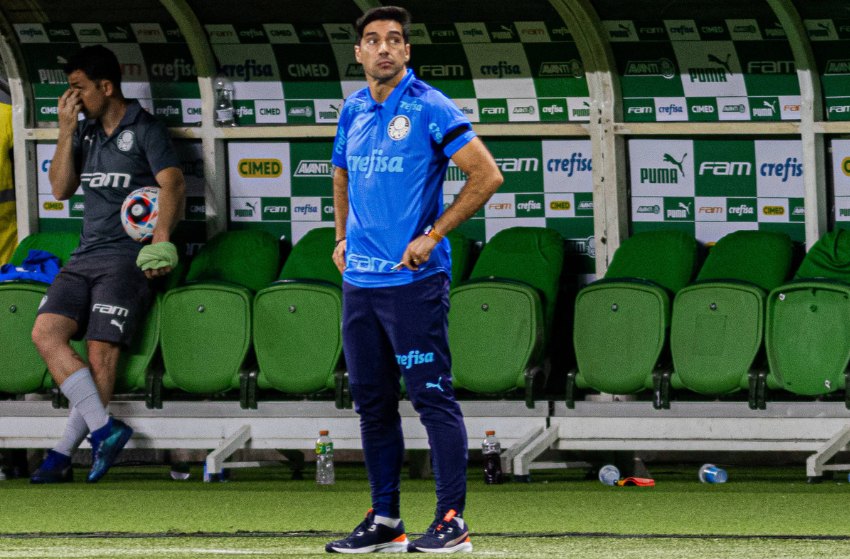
[[414, 357], [726, 168], [125, 140], [712, 74], [664, 175], [399, 128]]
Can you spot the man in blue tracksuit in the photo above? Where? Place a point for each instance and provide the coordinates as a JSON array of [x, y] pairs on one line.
[[392, 148]]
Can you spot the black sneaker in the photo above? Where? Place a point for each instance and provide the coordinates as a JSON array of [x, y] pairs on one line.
[[106, 448], [370, 537], [447, 535], [55, 468]]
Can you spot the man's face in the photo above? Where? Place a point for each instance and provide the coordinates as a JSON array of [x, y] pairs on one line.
[[382, 50], [91, 93]]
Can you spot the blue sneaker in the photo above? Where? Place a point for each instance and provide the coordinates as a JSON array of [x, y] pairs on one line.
[[107, 442], [370, 537], [447, 535], [55, 468]]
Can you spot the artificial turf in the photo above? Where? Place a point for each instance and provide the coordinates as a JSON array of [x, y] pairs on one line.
[[765, 512]]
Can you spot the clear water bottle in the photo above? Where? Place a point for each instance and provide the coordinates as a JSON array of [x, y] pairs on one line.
[[709, 473], [609, 474], [223, 88], [324, 459], [492, 450]]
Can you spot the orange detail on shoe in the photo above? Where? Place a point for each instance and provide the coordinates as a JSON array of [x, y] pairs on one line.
[[467, 540], [401, 538], [449, 515]]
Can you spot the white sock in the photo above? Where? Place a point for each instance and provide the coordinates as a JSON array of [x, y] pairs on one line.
[[387, 521], [82, 393], [75, 432]]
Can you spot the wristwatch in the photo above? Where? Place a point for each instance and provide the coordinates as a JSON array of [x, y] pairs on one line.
[[431, 232]]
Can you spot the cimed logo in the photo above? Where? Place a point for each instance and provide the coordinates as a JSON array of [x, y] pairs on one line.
[[399, 128]]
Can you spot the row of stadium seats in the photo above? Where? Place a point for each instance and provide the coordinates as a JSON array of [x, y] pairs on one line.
[[235, 323], [658, 321], [648, 326]]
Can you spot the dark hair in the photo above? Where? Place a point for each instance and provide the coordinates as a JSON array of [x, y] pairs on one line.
[[394, 13], [97, 63]]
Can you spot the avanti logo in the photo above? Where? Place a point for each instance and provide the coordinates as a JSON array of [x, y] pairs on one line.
[[571, 67], [663, 67], [308, 168], [838, 66], [712, 74], [664, 175], [654, 209], [414, 357]]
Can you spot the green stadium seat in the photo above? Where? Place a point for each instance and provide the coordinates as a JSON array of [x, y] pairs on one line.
[[206, 323], [24, 371], [297, 322], [717, 328], [807, 330], [500, 319], [621, 321], [461, 247]]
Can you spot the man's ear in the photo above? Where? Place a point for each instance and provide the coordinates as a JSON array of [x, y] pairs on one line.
[[107, 87], [357, 54]]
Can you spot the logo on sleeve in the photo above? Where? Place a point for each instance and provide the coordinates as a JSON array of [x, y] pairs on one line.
[[125, 140], [399, 127]]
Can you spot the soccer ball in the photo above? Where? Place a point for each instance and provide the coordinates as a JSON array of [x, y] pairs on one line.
[[139, 213]]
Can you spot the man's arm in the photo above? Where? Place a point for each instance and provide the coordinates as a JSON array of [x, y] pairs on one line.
[[172, 200], [64, 179], [483, 179], [340, 215]]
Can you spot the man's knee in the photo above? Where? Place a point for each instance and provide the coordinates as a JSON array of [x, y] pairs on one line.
[[48, 332]]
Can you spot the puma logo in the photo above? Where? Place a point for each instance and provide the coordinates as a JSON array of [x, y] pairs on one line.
[[119, 325], [672, 160], [724, 63]]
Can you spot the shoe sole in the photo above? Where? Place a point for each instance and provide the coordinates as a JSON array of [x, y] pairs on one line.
[[391, 547], [464, 547], [119, 446]]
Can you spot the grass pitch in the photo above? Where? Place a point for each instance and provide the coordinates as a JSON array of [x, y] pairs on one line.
[[141, 512]]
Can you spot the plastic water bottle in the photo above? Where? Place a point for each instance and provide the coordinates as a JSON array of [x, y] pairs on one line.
[[492, 450], [709, 473], [223, 101], [609, 474], [324, 459]]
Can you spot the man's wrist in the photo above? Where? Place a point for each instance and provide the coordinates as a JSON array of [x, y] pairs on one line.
[[432, 233], [336, 242]]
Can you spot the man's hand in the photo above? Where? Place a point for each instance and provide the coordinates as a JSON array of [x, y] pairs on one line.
[[339, 256], [69, 107], [157, 259], [418, 252]]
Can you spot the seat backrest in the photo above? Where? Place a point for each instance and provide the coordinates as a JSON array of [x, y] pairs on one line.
[[531, 255], [59, 244], [828, 258], [248, 258], [461, 251], [666, 258], [762, 258], [310, 258]]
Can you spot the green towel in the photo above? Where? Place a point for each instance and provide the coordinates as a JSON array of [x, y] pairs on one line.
[[828, 258], [159, 255], [762, 258]]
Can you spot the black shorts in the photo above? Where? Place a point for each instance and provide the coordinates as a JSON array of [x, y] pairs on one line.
[[108, 297]]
